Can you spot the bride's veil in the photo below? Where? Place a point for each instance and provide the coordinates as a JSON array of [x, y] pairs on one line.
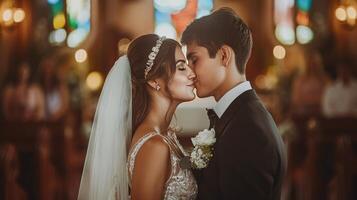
[[105, 176]]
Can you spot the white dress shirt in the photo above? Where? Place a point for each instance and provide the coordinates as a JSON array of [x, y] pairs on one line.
[[229, 97]]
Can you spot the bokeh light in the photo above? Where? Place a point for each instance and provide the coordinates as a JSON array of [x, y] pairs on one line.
[[279, 52], [341, 13], [351, 12], [302, 18], [53, 1], [58, 36], [304, 34], [19, 15], [80, 55], [304, 5], [94, 81], [59, 21], [7, 15], [285, 34], [79, 15], [76, 37]]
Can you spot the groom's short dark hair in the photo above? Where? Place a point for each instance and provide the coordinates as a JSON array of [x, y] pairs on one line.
[[222, 27]]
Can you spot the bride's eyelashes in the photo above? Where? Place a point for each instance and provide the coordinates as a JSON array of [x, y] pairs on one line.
[[182, 68], [181, 65]]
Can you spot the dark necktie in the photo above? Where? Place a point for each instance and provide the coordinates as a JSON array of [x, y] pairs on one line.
[[213, 118]]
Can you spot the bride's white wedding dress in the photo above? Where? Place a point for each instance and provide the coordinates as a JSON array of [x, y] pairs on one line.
[[181, 183], [108, 164]]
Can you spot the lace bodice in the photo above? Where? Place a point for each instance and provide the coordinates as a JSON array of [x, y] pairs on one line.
[[181, 183]]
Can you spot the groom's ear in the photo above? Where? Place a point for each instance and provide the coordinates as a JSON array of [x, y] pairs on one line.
[[226, 55]]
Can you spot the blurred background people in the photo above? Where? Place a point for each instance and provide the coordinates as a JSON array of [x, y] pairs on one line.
[[23, 100], [55, 90], [308, 88], [340, 97]]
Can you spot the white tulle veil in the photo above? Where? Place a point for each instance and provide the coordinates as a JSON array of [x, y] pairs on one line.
[[105, 176]]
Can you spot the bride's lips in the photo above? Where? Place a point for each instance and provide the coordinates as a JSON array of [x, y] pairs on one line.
[[191, 85]]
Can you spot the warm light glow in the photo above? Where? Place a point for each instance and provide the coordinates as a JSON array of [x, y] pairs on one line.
[[79, 13], [351, 12], [58, 36], [260, 81], [59, 21], [267, 81], [304, 34], [283, 10], [123, 45], [94, 81], [19, 15], [7, 15], [341, 14], [76, 37], [285, 34], [80, 55], [283, 5], [279, 52], [302, 18], [351, 22]]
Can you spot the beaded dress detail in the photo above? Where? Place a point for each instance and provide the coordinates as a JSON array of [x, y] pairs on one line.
[[181, 183]]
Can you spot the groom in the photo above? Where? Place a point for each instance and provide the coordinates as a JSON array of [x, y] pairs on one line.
[[249, 159]]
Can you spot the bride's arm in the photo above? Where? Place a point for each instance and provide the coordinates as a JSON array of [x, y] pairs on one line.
[[151, 170]]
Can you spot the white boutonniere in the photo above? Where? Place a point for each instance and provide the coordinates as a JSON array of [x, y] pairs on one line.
[[203, 148]]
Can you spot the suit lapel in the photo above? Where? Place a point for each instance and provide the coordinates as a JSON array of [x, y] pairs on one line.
[[231, 110]]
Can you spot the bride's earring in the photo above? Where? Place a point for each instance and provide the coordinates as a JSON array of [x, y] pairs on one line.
[[157, 87]]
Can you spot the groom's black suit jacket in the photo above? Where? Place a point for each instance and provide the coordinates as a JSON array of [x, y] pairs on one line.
[[249, 161]]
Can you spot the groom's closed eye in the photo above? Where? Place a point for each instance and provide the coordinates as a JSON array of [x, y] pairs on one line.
[[192, 61], [192, 58], [190, 55]]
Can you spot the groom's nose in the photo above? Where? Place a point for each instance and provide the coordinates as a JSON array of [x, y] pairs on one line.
[[192, 75]]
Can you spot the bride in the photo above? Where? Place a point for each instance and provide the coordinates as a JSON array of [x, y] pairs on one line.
[[131, 147]]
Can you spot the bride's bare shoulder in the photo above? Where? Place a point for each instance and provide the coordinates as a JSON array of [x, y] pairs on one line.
[[153, 156], [155, 140], [155, 146], [152, 169]]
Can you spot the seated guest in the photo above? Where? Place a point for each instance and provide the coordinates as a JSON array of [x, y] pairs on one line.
[[23, 99], [340, 98], [308, 88]]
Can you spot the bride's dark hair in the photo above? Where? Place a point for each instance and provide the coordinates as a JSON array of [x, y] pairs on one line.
[[164, 67]]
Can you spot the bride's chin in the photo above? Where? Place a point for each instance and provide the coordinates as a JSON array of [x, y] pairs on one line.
[[193, 96]]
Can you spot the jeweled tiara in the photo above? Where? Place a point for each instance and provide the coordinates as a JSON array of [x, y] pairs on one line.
[[153, 54]]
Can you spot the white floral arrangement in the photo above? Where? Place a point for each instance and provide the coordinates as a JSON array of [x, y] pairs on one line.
[[203, 148]]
